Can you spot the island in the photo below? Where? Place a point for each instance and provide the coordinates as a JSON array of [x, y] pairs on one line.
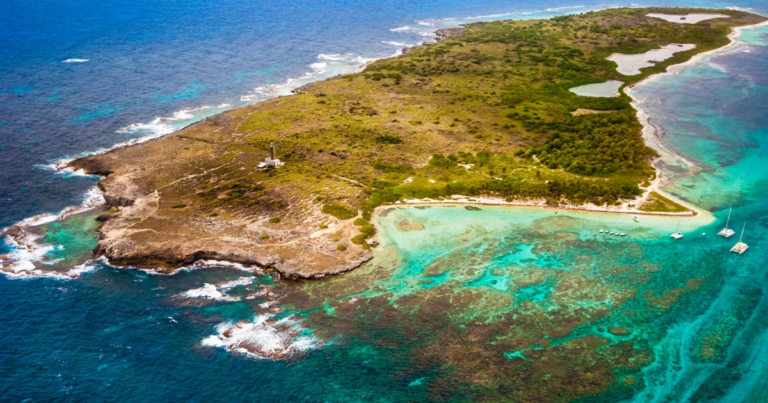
[[486, 114]]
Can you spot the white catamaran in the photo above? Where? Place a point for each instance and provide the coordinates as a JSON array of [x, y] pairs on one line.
[[677, 234], [727, 232], [740, 247]]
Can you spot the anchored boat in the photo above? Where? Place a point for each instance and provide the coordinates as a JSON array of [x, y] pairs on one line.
[[727, 232], [740, 247], [677, 234]]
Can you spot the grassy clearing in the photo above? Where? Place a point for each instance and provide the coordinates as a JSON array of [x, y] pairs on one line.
[[338, 211], [659, 203]]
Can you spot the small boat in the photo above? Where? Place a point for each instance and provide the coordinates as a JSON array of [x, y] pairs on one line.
[[602, 230], [623, 234], [727, 232], [677, 234], [613, 233], [635, 218], [740, 247]]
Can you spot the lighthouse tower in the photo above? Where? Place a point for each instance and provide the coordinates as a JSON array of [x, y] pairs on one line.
[[271, 160]]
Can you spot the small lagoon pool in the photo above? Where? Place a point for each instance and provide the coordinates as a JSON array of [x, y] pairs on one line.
[[607, 89]]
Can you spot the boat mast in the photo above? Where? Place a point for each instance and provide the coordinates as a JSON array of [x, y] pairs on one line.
[[729, 218], [742, 232]]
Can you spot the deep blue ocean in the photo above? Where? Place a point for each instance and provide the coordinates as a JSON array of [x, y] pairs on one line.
[[82, 76]]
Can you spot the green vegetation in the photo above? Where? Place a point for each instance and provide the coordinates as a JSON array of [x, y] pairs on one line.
[[659, 203], [341, 248], [274, 220], [264, 237], [179, 205], [339, 211], [358, 239]]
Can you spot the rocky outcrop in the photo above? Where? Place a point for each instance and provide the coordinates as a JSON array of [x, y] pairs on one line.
[[154, 225], [119, 201], [302, 260]]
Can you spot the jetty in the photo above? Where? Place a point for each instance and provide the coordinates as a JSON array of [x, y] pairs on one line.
[[740, 247]]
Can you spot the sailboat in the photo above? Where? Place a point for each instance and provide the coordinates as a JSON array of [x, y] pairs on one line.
[[677, 234], [740, 247], [635, 218], [727, 232]]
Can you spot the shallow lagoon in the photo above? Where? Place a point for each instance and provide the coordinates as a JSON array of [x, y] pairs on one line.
[[687, 18], [630, 65], [609, 88]]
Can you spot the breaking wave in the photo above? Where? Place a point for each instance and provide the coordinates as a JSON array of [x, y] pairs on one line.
[[263, 338]]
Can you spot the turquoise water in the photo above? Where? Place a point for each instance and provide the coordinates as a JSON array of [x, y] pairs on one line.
[[501, 304]]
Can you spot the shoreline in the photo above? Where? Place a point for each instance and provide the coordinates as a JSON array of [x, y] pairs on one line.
[[650, 131], [539, 204]]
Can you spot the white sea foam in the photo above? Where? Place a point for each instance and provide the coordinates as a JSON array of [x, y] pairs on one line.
[[218, 292], [23, 266], [331, 65], [208, 291], [144, 131], [403, 45], [341, 56], [263, 338], [400, 29], [27, 249], [563, 8], [222, 263], [452, 22], [164, 125], [75, 61], [235, 283]]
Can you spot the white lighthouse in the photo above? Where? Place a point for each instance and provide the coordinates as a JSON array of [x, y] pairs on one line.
[[271, 160]]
